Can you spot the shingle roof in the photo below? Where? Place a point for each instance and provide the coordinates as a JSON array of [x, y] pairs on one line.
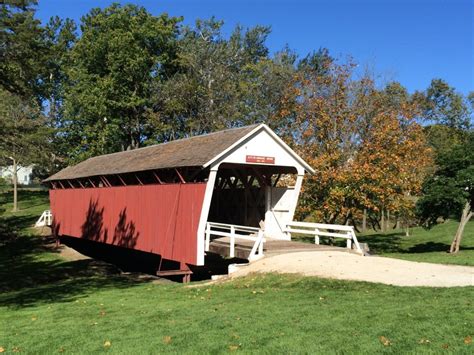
[[194, 151]]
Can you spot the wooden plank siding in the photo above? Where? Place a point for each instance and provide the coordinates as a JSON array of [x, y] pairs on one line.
[[160, 219]]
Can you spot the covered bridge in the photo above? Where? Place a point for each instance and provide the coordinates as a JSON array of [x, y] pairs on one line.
[[165, 199]]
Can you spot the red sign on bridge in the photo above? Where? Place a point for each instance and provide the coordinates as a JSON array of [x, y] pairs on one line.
[[259, 159]]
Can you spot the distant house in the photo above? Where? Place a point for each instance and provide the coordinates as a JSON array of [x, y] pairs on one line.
[[25, 174]]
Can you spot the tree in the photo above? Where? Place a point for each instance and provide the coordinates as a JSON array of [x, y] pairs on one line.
[[24, 138], [22, 48], [220, 82], [444, 106], [369, 152], [450, 191], [122, 51]]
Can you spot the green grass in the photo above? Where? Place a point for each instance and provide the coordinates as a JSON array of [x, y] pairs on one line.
[[31, 203], [49, 305], [425, 245]]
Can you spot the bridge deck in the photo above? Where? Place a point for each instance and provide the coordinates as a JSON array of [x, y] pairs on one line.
[[274, 246]]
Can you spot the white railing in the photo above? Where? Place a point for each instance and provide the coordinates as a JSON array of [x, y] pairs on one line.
[[234, 232], [325, 230], [46, 219]]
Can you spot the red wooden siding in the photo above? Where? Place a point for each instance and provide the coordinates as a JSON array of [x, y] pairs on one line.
[[160, 219]]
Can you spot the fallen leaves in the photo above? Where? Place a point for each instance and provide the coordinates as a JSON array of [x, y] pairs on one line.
[[468, 340], [424, 341], [2, 349], [167, 339], [107, 344], [234, 347], [385, 341]]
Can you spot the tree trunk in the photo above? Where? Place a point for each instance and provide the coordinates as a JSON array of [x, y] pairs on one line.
[[387, 222], [364, 221], [382, 221], [15, 186], [465, 217], [397, 223]]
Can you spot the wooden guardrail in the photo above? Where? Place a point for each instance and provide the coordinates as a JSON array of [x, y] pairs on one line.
[[234, 232], [325, 230]]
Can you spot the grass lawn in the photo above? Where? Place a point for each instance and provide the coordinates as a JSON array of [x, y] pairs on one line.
[[48, 305], [425, 245]]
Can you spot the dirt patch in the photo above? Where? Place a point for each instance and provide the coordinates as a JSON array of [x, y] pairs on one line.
[[70, 254], [346, 266]]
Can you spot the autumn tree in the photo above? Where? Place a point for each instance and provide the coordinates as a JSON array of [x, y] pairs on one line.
[[368, 153]]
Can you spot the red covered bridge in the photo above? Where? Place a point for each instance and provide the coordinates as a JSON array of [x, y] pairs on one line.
[[168, 198]]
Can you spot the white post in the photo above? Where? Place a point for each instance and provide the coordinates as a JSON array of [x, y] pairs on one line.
[[206, 204], [260, 246], [356, 242], [232, 241], [296, 194], [316, 236], [349, 242], [208, 236]]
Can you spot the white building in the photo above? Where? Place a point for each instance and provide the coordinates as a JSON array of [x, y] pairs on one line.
[[24, 174]]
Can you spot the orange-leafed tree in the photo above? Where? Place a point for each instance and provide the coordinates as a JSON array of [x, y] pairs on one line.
[[369, 152]]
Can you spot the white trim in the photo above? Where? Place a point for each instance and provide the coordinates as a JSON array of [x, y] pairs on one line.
[[278, 140], [206, 204], [296, 195]]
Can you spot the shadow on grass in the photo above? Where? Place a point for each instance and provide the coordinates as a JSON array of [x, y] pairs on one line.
[[15, 224], [383, 243], [32, 196], [391, 243], [31, 274]]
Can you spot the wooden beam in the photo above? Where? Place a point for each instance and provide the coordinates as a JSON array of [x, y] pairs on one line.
[[60, 183], [107, 181], [139, 181], [121, 180], [260, 177], [157, 178], [80, 183], [180, 176], [276, 180], [104, 181], [91, 182]]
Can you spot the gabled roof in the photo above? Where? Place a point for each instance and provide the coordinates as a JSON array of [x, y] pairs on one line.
[[195, 151]]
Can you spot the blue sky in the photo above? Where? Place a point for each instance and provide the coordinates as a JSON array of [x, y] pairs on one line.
[[408, 41]]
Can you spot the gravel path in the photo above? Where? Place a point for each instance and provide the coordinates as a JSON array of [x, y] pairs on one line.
[[346, 266]]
